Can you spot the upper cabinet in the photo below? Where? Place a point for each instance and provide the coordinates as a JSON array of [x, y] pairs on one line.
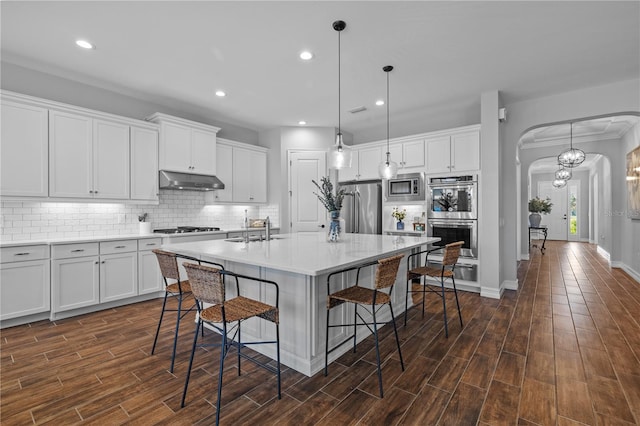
[[243, 170], [364, 164], [458, 152], [61, 151], [24, 163], [186, 146], [409, 155]]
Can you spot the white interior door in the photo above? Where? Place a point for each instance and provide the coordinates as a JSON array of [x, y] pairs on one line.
[[307, 213], [556, 221]]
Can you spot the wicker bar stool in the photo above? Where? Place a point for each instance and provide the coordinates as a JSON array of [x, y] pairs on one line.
[[373, 299], [440, 274], [181, 290], [208, 287]]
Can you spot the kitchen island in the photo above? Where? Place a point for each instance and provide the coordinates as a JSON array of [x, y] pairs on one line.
[[300, 263]]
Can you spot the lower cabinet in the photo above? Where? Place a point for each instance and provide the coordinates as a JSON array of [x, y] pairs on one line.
[[118, 276], [75, 276], [24, 281], [149, 275]]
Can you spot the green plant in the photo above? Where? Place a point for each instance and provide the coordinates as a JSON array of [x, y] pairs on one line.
[[538, 205], [399, 214], [331, 201]]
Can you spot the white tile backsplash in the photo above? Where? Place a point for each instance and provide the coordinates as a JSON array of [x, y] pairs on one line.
[[33, 220]]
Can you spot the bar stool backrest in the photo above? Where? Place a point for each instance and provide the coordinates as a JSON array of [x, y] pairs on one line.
[[451, 253], [168, 264], [207, 284], [387, 271]]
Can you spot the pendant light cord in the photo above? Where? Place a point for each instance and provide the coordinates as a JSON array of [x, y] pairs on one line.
[[388, 117], [339, 64]]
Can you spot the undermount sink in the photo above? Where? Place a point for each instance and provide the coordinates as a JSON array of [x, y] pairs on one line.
[[251, 238]]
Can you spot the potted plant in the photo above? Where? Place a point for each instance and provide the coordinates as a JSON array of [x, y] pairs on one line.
[[536, 206]]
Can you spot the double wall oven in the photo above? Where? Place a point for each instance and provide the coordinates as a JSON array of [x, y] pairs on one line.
[[453, 212]]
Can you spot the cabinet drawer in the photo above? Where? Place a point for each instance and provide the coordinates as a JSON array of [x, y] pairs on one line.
[[149, 244], [24, 253], [119, 246], [66, 251]]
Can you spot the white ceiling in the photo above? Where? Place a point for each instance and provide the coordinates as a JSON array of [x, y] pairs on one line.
[[444, 54]]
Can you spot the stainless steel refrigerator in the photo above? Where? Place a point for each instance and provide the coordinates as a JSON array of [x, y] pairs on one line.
[[362, 207]]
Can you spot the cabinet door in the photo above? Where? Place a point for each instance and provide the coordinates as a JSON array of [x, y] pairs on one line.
[[144, 164], [396, 154], [24, 163], [70, 155], [110, 160], [351, 173], [413, 154], [369, 160], [438, 154], [465, 151], [224, 172], [203, 152], [24, 288], [241, 175], [149, 275], [118, 276], [175, 148], [258, 167], [75, 283]]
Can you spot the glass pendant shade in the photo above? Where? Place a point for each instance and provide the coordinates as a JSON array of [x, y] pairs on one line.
[[571, 157], [388, 169], [559, 183], [564, 174], [340, 155]]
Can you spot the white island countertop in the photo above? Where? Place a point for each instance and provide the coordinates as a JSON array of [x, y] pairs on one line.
[[303, 253]]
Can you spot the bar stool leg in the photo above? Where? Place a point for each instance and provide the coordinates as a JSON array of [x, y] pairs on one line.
[[395, 330], [406, 299], [424, 293], [223, 354], [155, 340], [355, 326], [444, 308], [175, 337], [326, 345], [457, 302], [193, 351], [375, 332], [239, 345], [278, 356]]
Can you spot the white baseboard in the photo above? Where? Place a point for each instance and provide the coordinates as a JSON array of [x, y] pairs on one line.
[[604, 253], [585, 240], [616, 264], [524, 256], [490, 292], [509, 285], [634, 274]]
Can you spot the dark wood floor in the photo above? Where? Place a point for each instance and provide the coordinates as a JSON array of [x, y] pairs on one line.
[[562, 350]]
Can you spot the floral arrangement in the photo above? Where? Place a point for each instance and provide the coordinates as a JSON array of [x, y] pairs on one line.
[[142, 217], [538, 205], [332, 202], [399, 214]]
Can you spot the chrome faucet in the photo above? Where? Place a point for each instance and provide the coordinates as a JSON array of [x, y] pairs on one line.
[[246, 227]]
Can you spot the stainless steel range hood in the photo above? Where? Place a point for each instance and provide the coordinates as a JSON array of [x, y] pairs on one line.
[[189, 182]]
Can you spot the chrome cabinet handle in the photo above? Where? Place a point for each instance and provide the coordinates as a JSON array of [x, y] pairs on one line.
[[22, 254], [77, 251], [151, 244], [119, 247]]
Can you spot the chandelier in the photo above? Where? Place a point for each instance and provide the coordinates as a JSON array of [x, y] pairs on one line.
[[571, 157]]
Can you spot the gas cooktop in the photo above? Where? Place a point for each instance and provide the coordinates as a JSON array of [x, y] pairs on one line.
[[186, 229]]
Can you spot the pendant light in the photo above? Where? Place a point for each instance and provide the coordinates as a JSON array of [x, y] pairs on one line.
[[562, 173], [388, 169], [572, 157], [559, 183], [339, 154]]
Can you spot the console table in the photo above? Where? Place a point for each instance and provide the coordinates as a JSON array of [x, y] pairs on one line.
[[537, 230]]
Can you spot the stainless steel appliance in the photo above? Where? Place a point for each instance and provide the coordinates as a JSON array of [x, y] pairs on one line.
[[189, 181], [454, 197], [451, 231], [362, 207], [405, 187]]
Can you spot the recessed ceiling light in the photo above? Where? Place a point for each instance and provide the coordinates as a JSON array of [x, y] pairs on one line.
[[221, 93], [302, 122], [379, 102], [306, 55], [85, 44]]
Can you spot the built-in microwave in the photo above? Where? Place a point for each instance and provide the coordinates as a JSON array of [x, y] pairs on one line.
[[405, 187]]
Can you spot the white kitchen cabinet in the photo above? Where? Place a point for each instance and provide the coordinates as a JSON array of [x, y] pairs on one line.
[[75, 281], [149, 275], [118, 270], [89, 158], [249, 176], [186, 146], [24, 143], [409, 155], [224, 172], [458, 152], [24, 281], [144, 164], [364, 164]]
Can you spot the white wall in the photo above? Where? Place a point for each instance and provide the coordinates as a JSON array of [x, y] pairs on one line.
[[631, 228], [524, 115]]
